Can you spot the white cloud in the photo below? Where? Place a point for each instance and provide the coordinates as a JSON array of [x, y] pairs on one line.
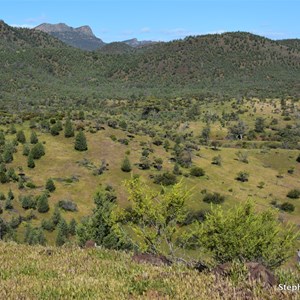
[[127, 32], [40, 19], [145, 30]]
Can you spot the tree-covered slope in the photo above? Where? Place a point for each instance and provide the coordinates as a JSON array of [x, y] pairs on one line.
[[37, 66]]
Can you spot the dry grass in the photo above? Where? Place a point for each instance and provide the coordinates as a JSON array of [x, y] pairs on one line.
[[71, 273]]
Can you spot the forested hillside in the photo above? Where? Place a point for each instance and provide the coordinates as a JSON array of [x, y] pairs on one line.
[[37, 66]]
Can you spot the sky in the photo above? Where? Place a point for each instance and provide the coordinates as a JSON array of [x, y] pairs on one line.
[[159, 20]]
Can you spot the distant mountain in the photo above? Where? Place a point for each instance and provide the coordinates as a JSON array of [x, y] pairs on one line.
[[81, 37], [136, 43]]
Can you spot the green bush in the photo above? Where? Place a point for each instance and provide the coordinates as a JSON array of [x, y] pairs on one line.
[[197, 172], [293, 194], [80, 142], [242, 176], [37, 151], [286, 206], [50, 186], [165, 179], [245, 234], [215, 198], [126, 166]]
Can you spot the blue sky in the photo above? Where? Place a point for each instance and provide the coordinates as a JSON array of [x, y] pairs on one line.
[[160, 19]]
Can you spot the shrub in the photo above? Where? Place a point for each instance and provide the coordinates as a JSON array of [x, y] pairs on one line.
[[298, 158], [50, 186], [21, 137], [26, 150], [197, 172], [286, 206], [217, 160], [293, 194], [215, 198], [126, 166], [33, 138], [69, 131], [67, 205], [55, 129], [27, 202], [30, 161], [48, 225], [245, 234], [165, 179], [194, 216], [242, 176]]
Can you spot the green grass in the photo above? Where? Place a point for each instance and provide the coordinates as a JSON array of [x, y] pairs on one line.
[[61, 162], [69, 272]]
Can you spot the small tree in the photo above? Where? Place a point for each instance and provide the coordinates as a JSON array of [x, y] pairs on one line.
[[50, 186], [12, 129], [37, 151], [10, 195], [21, 137], [33, 138], [54, 130], [42, 204], [245, 234], [205, 134], [60, 238], [259, 125], [56, 217], [72, 227], [176, 169], [69, 131], [154, 217], [8, 155], [26, 150], [80, 142], [2, 138], [30, 161], [126, 165]]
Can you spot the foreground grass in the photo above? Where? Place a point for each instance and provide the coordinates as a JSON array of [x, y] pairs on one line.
[[72, 273]]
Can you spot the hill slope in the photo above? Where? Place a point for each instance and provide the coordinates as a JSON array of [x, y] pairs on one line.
[[232, 63]]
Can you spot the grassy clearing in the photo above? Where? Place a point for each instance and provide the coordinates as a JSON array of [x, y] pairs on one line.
[[72, 273], [61, 163]]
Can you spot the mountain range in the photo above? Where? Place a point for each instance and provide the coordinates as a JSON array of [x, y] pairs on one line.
[[35, 65], [81, 37]]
